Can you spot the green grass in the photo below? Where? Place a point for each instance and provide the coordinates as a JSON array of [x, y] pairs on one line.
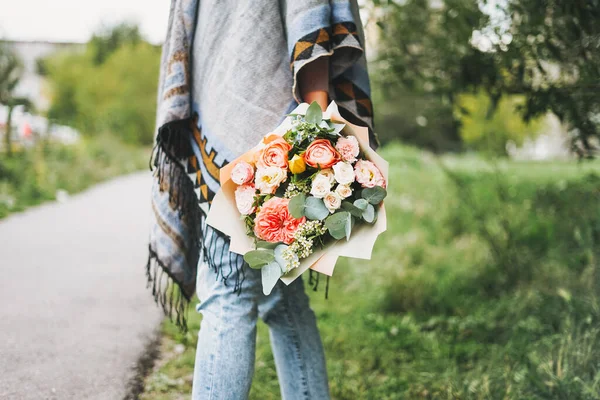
[[33, 176], [486, 286]]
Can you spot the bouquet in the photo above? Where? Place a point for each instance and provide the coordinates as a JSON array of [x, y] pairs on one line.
[[307, 193]]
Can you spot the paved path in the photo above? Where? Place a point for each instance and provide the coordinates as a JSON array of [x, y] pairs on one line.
[[74, 310]]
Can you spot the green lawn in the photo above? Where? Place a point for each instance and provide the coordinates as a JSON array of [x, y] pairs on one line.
[[486, 286]]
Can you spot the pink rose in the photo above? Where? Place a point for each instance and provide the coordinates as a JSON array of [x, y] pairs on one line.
[[274, 223], [244, 199], [321, 154], [274, 154], [348, 148], [368, 175], [242, 173]]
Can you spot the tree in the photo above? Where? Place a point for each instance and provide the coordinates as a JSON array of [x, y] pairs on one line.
[[426, 59], [554, 60], [104, 43], [117, 95], [10, 74], [545, 50]]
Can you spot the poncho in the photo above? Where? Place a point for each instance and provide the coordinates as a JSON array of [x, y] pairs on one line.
[[228, 75]]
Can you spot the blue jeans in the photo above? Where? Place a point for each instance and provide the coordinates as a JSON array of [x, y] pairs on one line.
[[227, 340]]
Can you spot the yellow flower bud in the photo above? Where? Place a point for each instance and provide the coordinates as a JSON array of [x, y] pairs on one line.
[[297, 164]]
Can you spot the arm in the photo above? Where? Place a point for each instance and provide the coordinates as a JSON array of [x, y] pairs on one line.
[[313, 82]]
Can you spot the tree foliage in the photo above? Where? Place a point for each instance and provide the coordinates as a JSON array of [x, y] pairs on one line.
[[554, 60], [11, 70], [111, 87], [546, 51]]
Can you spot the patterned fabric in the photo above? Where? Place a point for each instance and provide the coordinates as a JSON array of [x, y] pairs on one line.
[[339, 37], [175, 234], [220, 91]]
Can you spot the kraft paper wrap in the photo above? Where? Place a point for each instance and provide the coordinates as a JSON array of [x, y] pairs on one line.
[[225, 217]]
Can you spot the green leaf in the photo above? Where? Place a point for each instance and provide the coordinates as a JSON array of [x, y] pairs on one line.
[[296, 205], [369, 214], [270, 274], [352, 209], [279, 256], [256, 259], [262, 244], [361, 204], [339, 225], [315, 209], [374, 195], [314, 114]]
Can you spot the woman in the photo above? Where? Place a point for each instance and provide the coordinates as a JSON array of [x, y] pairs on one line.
[[231, 71]]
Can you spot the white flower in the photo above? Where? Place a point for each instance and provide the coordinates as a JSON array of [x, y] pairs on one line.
[[344, 191], [344, 173], [268, 179], [320, 186], [244, 199], [332, 201], [328, 173]]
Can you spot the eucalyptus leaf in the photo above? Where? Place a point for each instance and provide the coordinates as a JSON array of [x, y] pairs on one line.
[[339, 225], [263, 244], [256, 259], [374, 195], [352, 209], [270, 274], [279, 256], [361, 204], [314, 114], [315, 209], [369, 214], [296, 205]]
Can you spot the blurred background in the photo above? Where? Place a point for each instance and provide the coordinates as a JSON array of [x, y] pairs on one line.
[[487, 283]]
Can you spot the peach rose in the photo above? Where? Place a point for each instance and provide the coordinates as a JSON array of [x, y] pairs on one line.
[[368, 175], [321, 154], [274, 154], [348, 148], [274, 223], [242, 173], [244, 199]]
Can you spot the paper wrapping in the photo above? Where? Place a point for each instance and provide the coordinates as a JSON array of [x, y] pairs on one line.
[[225, 217]]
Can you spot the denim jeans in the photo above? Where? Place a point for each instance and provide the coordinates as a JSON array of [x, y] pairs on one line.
[[227, 339]]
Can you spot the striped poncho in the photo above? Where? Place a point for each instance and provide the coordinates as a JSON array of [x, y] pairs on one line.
[[228, 76]]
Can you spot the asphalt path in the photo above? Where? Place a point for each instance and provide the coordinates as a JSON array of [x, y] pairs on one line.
[[75, 314]]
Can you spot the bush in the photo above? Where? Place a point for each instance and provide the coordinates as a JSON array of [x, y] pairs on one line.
[[107, 89], [35, 175]]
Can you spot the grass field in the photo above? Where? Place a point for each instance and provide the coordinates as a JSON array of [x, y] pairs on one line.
[[35, 175], [486, 286]]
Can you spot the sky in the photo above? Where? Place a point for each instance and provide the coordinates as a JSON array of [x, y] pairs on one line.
[[76, 20]]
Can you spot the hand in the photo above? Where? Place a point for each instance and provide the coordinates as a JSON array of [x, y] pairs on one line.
[[313, 82]]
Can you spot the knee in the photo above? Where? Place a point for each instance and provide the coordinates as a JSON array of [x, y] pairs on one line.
[[285, 300]]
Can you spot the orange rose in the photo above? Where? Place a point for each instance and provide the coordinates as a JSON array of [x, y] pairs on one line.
[[274, 223], [321, 154], [274, 154]]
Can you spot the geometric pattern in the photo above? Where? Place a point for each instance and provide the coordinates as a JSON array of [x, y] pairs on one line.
[[326, 41], [352, 97]]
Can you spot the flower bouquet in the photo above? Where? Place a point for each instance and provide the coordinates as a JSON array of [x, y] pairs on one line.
[[309, 192]]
